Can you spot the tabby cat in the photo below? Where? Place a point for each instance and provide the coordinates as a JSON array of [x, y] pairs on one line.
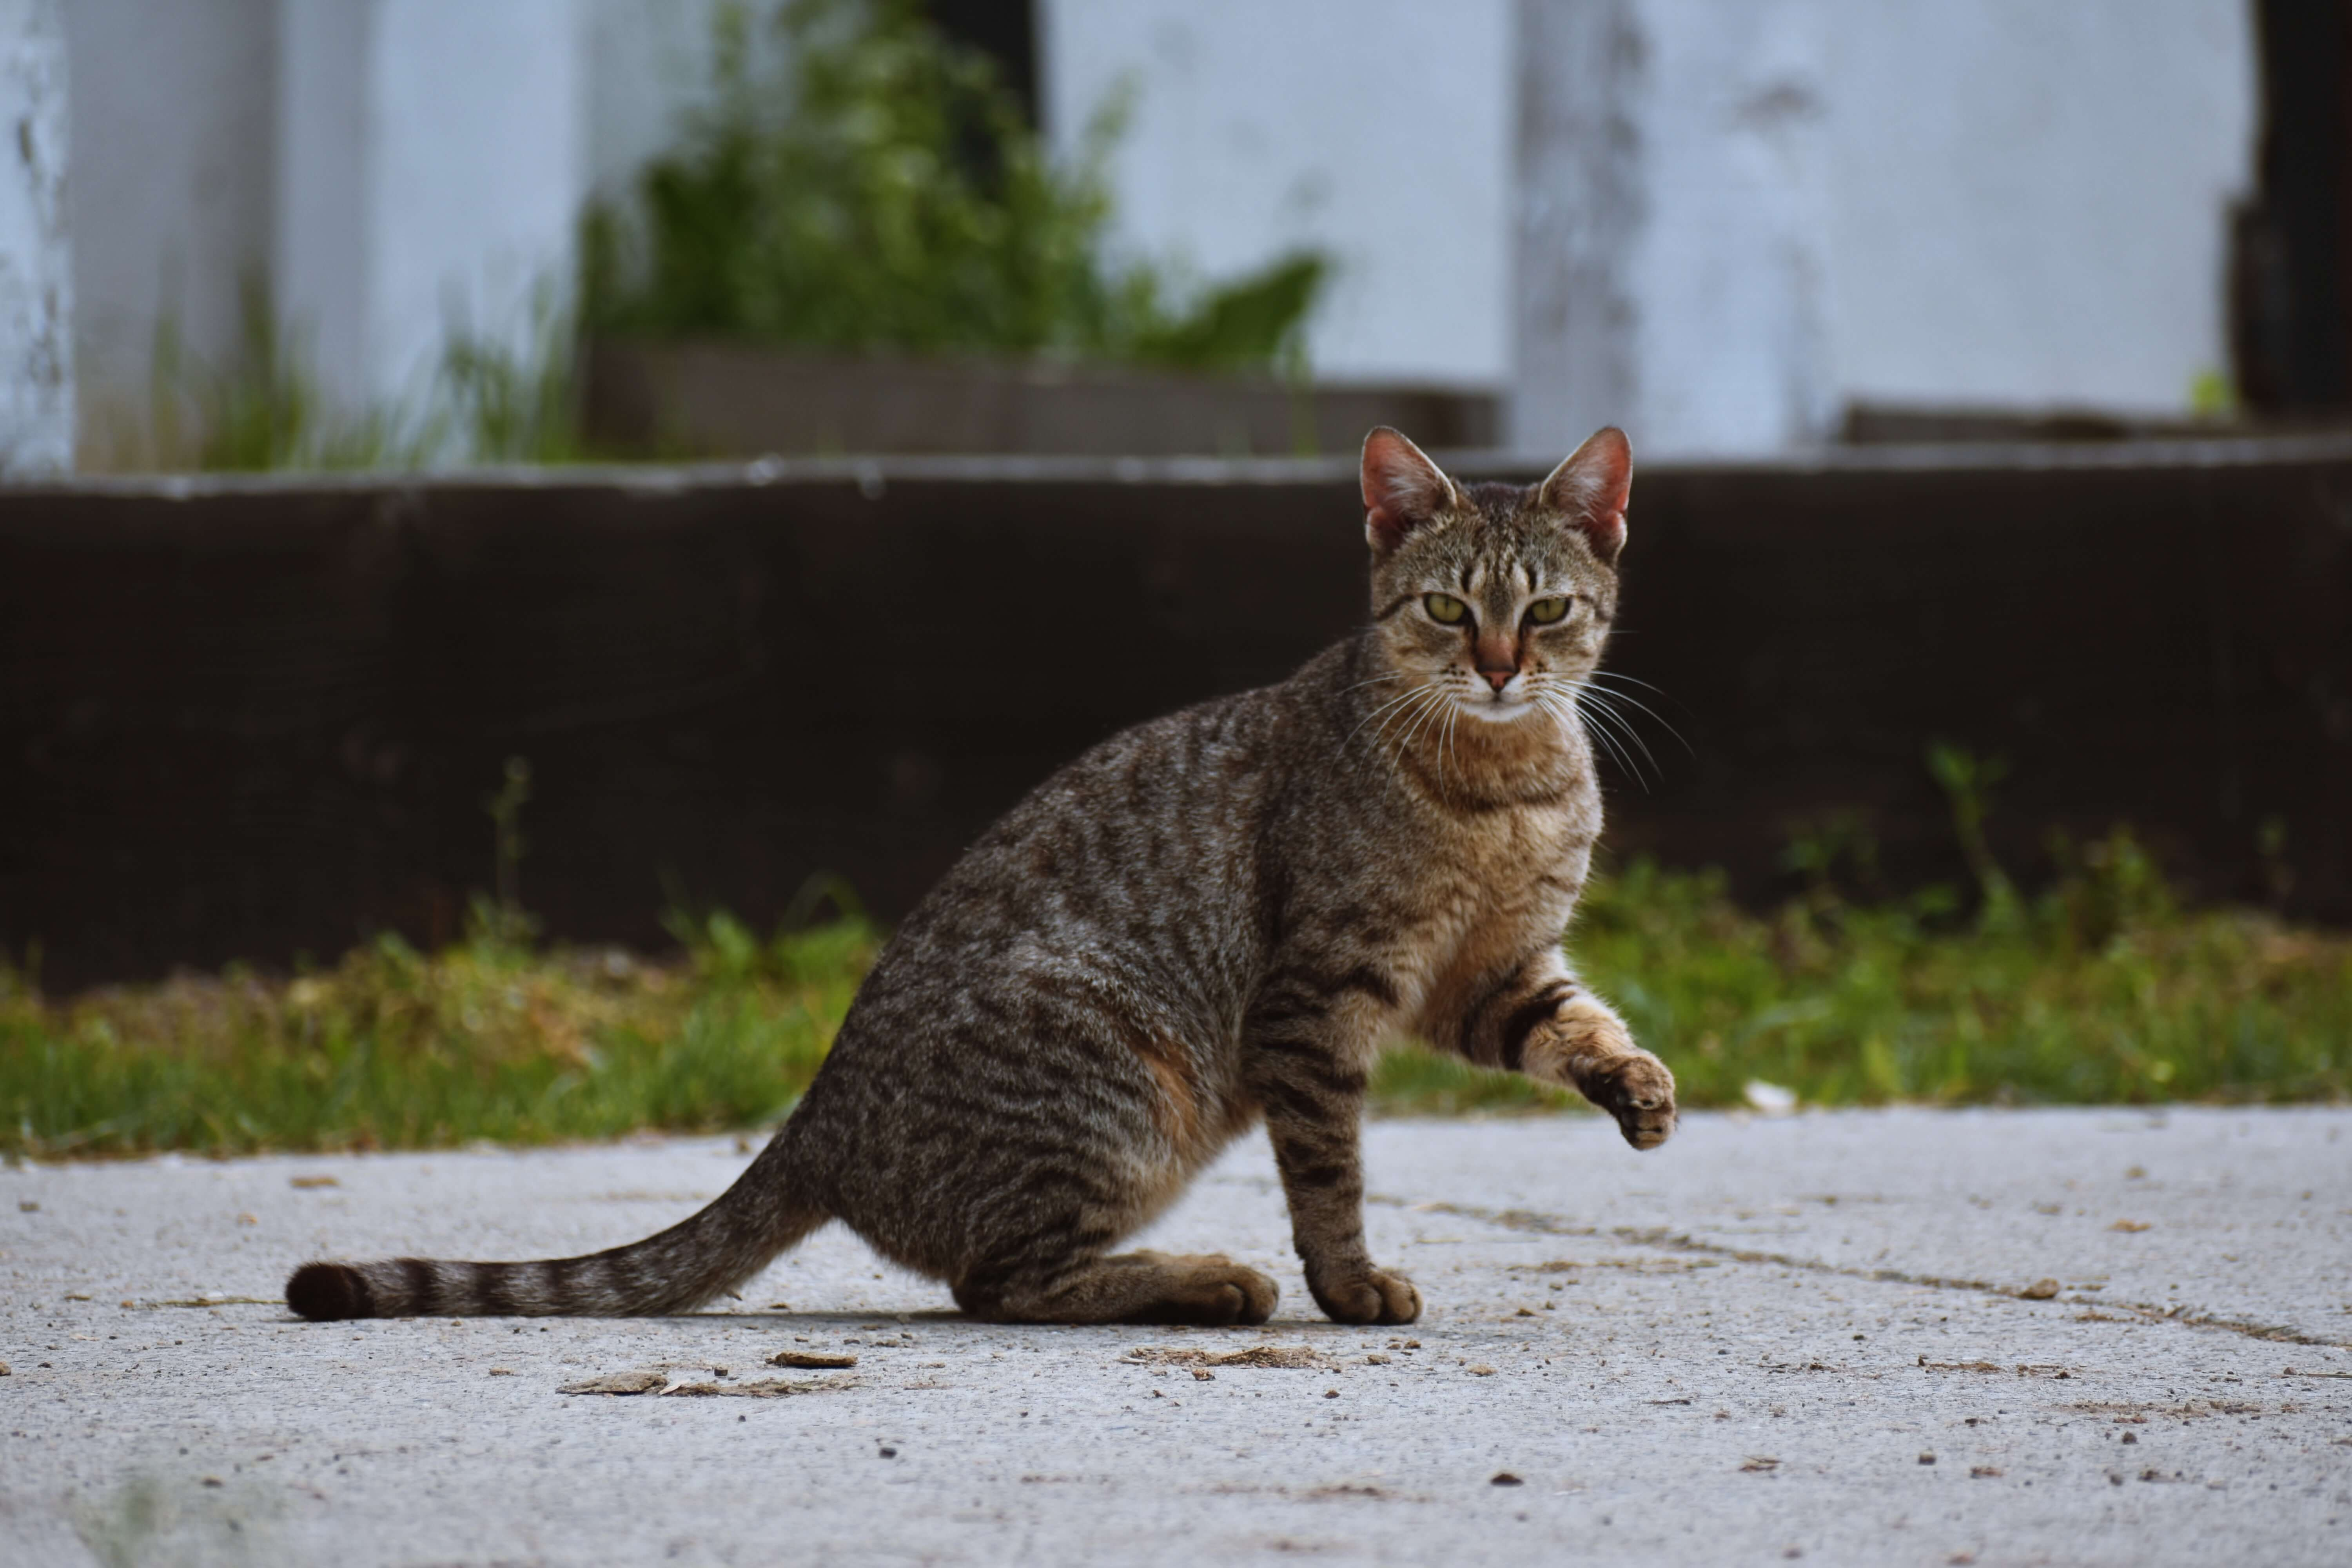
[[1213, 918]]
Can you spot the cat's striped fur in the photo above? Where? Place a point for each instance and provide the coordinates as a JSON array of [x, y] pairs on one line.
[[1208, 920]]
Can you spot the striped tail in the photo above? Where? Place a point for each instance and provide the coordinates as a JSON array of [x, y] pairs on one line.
[[713, 1251]]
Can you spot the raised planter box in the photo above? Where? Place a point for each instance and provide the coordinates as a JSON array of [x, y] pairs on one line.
[[729, 400]]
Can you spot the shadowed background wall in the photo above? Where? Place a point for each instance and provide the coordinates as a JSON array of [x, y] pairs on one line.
[[253, 719]]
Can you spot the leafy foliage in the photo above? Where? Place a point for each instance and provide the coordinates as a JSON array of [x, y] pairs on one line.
[[879, 189]]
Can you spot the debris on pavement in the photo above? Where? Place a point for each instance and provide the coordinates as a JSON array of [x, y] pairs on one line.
[[618, 1383], [761, 1388], [1292, 1357]]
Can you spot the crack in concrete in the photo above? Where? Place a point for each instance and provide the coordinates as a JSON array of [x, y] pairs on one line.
[[1664, 1239]]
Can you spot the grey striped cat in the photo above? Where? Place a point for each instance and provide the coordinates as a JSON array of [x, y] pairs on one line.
[[1211, 919]]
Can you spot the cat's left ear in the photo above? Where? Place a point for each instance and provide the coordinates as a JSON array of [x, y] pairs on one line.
[[1402, 489], [1591, 488]]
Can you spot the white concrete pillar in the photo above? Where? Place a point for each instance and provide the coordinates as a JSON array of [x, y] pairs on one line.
[[36, 410], [1673, 225], [1578, 207], [432, 162]]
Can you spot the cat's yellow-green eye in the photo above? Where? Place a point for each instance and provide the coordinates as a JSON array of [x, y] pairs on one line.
[[1444, 609], [1544, 612]]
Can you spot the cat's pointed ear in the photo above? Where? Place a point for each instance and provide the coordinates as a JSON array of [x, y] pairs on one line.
[[1591, 488], [1402, 489]]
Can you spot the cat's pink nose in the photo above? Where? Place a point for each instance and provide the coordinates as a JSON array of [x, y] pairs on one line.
[[1498, 678]]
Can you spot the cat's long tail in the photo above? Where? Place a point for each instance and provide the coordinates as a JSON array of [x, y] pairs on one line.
[[715, 1250]]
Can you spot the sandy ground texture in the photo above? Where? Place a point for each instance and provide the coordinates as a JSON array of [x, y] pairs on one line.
[[1871, 1338]]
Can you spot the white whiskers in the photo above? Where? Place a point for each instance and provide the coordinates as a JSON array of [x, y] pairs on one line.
[[1392, 702], [1431, 708], [1628, 698], [1612, 729]]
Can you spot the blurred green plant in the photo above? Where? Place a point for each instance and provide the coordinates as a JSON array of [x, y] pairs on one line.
[[515, 398], [2103, 988], [872, 184], [261, 410], [491, 398], [2213, 396]]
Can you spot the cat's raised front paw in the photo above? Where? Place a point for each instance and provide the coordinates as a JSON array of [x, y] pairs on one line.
[[1374, 1296], [1639, 1091]]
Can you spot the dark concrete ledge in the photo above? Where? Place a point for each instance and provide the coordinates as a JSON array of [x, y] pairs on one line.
[[1953, 458], [253, 717]]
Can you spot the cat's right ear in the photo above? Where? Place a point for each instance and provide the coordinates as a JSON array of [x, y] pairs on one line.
[[1590, 489], [1402, 489]]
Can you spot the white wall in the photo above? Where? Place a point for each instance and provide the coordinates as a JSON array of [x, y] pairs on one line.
[[1716, 221], [2006, 203], [320, 272], [649, 65], [169, 194], [1379, 131], [381, 165], [2031, 199], [1731, 349], [36, 415], [433, 157]]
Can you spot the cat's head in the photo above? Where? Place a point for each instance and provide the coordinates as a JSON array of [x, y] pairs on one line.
[[1496, 596]]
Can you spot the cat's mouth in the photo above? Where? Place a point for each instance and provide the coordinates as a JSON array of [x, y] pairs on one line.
[[1505, 707]]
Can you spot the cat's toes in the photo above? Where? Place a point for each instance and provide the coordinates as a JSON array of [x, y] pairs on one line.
[[1375, 1296], [1639, 1093], [1221, 1293], [1259, 1294], [1222, 1290]]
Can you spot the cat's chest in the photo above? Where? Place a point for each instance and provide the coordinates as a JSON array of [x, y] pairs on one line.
[[1510, 874]]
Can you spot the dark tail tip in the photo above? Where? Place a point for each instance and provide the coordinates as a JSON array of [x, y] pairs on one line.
[[324, 1292]]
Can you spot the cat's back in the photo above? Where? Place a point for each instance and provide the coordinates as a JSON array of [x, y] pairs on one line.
[[1136, 867], [1155, 827]]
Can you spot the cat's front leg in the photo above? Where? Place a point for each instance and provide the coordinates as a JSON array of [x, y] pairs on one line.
[[1538, 1019], [1587, 1046], [1307, 1070]]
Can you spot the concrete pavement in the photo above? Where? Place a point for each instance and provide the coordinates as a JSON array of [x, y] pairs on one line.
[[2094, 1336]]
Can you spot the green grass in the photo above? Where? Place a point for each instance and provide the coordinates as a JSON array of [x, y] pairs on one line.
[[394, 1048], [2101, 989]]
